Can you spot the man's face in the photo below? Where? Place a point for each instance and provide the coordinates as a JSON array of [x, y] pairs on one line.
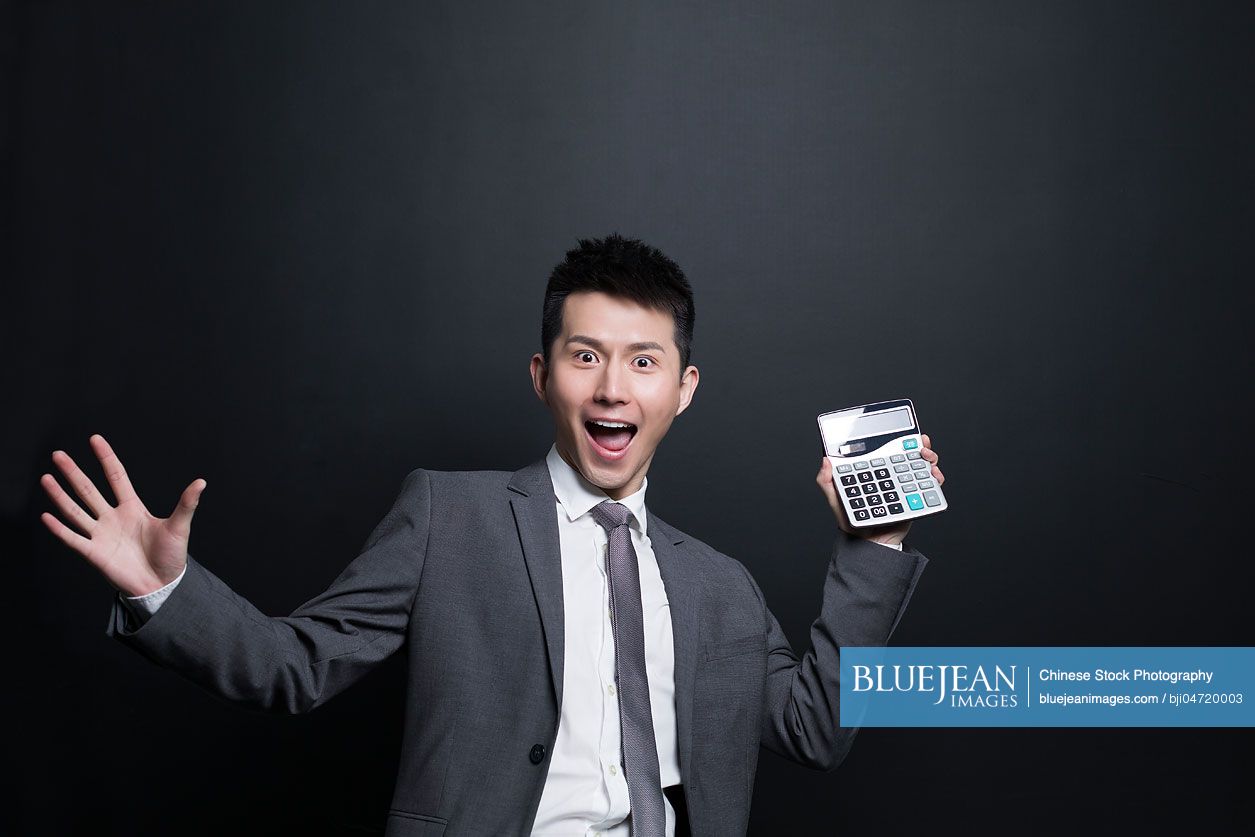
[[613, 362]]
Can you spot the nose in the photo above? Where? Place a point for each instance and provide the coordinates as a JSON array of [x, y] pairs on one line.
[[611, 388]]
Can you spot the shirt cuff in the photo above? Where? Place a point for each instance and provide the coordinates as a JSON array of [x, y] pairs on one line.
[[143, 607]]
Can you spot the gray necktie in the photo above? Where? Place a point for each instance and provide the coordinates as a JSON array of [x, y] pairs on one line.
[[640, 753]]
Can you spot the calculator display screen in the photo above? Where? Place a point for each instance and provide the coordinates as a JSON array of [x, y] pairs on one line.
[[877, 424], [840, 429]]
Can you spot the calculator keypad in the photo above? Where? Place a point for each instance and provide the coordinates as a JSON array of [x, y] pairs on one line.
[[875, 488]]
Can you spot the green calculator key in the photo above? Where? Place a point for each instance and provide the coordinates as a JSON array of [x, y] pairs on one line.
[[909, 444], [915, 502]]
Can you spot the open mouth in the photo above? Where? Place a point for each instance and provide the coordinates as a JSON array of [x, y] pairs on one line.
[[610, 438]]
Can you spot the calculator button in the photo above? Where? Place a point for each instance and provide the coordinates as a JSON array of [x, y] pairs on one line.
[[891, 496], [895, 508], [915, 502], [869, 488], [882, 473], [905, 479], [860, 466], [910, 444], [918, 466], [913, 455], [876, 462], [897, 457], [886, 485], [874, 500], [848, 479], [931, 498], [865, 476], [844, 469], [926, 484], [901, 468], [852, 491], [857, 503], [861, 514], [879, 511]]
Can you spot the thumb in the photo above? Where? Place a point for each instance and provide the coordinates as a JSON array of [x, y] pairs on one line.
[[829, 488], [824, 477], [181, 517]]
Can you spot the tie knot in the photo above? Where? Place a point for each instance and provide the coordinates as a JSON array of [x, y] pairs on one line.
[[610, 515]]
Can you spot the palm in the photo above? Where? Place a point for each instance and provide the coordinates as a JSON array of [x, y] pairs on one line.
[[129, 546], [134, 550]]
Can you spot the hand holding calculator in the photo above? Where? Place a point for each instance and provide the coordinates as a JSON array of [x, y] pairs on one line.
[[878, 467]]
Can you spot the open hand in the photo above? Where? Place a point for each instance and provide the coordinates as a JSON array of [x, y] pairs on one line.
[[893, 533], [136, 552]]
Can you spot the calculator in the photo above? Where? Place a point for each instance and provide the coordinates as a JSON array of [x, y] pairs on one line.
[[880, 474]]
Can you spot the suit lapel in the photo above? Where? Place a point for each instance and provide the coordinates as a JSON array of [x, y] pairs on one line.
[[536, 519], [537, 522], [679, 577]]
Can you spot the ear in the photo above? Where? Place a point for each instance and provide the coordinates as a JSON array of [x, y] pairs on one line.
[[688, 386], [540, 375]]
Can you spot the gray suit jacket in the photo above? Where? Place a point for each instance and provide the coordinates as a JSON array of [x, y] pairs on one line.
[[465, 573]]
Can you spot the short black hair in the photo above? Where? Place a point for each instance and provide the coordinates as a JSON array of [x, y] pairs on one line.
[[623, 267]]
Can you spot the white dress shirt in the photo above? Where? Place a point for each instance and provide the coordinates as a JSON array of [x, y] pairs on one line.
[[586, 792]]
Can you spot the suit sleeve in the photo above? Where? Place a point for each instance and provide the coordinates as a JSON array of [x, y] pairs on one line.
[[217, 639], [866, 592]]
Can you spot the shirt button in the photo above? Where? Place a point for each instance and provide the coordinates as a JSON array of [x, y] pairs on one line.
[[537, 755], [614, 771], [610, 690]]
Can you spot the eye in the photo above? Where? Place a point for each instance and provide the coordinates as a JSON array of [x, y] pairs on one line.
[[649, 362], [586, 357]]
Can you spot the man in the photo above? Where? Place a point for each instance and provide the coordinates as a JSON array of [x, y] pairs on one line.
[[576, 664]]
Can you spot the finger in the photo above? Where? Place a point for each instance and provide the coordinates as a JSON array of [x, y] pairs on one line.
[[940, 476], [70, 538], [826, 484], [824, 478], [928, 443], [181, 517], [930, 455], [119, 482], [71, 510], [83, 486]]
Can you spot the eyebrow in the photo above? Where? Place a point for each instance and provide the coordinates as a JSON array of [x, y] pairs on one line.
[[599, 346]]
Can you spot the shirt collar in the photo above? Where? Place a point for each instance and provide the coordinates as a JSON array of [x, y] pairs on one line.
[[577, 495]]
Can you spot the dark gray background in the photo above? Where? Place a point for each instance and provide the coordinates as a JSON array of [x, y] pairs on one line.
[[300, 249]]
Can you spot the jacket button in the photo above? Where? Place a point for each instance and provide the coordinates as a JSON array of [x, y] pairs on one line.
[[538, 753]]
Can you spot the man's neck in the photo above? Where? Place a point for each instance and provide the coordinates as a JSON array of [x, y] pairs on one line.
[[627, 490]]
